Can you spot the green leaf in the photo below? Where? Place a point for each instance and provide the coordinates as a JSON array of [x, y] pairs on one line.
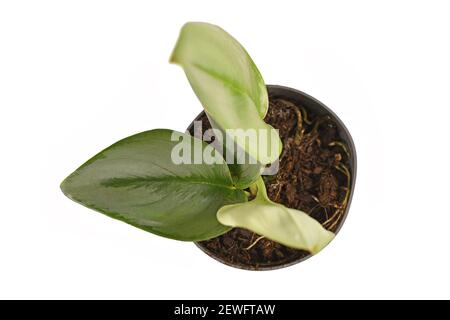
[[228, 85], [244, 173], [290, 227], [136, 181]]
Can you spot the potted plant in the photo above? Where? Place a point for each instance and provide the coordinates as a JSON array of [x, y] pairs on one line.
[[263, 180]]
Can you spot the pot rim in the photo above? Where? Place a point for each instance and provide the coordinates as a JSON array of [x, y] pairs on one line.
[[349, 140]]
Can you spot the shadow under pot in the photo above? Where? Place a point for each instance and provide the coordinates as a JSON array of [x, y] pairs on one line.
[[316, 175]]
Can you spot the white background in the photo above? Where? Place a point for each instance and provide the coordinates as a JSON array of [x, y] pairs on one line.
[[76, 76]]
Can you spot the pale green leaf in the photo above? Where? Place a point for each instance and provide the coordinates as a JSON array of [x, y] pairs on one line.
[[228, 85], [290, 227]]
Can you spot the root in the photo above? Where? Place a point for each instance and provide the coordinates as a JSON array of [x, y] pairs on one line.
[[332, 227], [314, 208], [299, 131], [305, 115], [340, 144], [229, 249], [332, 222], [254, 243], [279, 186], [319, 122], [342, 168], [336, 214]]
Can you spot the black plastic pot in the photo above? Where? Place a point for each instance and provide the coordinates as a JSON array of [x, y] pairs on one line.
[[311, 105]]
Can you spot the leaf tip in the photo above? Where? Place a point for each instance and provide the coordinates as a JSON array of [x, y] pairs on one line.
[[64, 186], [319, 246], [174, 57]]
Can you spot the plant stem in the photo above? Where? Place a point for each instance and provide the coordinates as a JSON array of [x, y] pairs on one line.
[[253, 189]]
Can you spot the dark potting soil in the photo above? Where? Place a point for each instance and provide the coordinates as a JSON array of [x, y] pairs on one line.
[[313, 177]]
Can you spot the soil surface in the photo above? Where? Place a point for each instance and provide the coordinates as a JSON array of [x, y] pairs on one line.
[[313, 177]]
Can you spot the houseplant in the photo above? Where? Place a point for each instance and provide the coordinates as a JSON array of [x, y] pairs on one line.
[[177, 186], [304, 181]]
